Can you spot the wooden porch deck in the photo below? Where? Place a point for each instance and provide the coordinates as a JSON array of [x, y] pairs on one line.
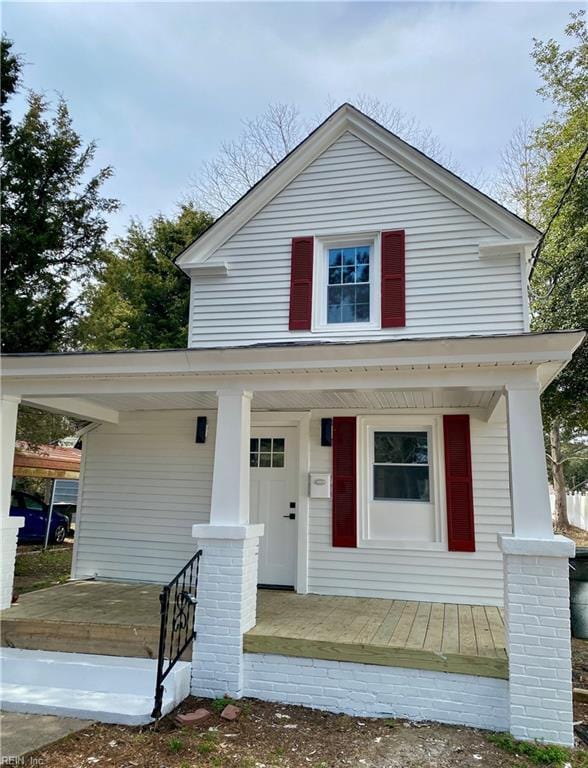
[[103, 617], [467, 639], [120, 619]]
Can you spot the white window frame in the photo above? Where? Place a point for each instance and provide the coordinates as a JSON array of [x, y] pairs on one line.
[[433, 425], [320, 282]]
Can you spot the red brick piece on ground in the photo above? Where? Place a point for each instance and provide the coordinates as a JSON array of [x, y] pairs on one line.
[[193, 718], [230, 712]]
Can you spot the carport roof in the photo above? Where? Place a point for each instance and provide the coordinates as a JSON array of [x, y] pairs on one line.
[[46, 461]]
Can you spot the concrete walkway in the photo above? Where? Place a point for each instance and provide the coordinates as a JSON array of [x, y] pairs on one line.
[[21, 734]]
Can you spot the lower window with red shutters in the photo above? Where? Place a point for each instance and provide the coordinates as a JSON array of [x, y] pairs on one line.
[[401, 482]]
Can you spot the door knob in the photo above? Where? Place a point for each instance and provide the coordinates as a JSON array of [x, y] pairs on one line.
[[291, 516]]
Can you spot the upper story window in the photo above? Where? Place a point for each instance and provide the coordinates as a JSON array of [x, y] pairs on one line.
[[348, 287], [347, 284], [346, 290]]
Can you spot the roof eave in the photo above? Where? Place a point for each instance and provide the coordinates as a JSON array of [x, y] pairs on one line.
[[557, 347]]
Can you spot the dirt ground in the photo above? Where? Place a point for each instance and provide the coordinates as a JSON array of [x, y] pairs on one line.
[[579, 535], [36, 569], [275, 736]]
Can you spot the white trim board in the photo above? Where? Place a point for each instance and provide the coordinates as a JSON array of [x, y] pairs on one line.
[[320, 282]]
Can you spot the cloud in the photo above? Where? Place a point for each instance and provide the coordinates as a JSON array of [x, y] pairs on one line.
[[161, 84]]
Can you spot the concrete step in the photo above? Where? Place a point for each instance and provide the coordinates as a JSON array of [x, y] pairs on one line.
[[103, 688]]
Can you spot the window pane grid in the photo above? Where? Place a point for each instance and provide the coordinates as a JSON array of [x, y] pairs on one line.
[[266, 452], [348, 287]]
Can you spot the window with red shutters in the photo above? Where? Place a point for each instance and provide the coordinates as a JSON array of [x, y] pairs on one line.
[[301, 284], [458, 482], [393, 282], [344, 482]]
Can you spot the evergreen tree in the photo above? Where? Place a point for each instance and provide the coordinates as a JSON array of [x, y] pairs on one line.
[[140, 298], [53, 218]]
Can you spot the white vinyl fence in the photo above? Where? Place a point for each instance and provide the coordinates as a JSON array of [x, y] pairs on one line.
[[577, 509]]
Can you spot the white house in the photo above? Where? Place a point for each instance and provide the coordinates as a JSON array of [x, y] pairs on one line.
[[359, 346]]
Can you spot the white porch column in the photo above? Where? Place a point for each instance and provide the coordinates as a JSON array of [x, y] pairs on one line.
[[227, 581], [229, 504], [528, 473], [536, 587], [8, 525]]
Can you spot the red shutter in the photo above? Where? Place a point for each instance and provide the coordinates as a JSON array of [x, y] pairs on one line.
[[393, 309], [458, 482], [344, 483], [301, 284]]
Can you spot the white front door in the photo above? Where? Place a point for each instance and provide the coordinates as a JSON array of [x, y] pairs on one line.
[[274, 498]]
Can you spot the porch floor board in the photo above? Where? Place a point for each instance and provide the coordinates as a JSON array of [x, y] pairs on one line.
[[122, 619], [466, 639], [103, 617]]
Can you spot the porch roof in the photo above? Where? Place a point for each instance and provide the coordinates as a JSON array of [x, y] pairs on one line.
[[97, 385]]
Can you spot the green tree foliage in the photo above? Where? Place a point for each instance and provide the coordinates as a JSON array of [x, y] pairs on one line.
[[41, 428], [53, 218], [140, 298], [559, 287], [10, 67]]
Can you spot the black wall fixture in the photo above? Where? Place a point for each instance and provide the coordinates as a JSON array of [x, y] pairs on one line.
[[327, 432], [201, 429]]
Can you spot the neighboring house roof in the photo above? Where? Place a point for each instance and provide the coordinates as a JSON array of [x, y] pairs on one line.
[[349, 119], [46, 461]]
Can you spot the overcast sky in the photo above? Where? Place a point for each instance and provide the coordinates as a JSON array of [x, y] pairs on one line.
[[160, 85]]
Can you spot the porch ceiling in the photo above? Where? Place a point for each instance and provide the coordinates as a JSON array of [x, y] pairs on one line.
[[304, 400]]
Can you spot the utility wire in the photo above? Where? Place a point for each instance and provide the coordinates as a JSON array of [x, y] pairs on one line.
[[536, 252]]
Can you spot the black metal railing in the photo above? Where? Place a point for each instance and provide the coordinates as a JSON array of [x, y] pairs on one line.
[[177, 628]]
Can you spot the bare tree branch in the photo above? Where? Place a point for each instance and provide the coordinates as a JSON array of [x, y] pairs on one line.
[[517, 184], [265, 139]]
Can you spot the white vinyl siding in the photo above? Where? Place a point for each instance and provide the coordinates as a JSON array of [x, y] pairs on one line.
[[454, 577], [353, 189], [145, 483]]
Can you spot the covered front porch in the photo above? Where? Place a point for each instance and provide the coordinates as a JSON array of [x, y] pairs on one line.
[[385, 611], [148, 474], [121, 619]]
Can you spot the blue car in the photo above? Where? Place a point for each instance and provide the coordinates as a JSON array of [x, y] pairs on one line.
[[36, 513]]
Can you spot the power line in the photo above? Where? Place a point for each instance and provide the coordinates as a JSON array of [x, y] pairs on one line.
[[536, 253]]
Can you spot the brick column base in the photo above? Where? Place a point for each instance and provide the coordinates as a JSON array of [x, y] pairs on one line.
[[227, 597], [8, 535], [538, 637]]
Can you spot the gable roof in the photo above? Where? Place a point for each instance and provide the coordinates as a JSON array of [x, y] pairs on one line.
[[348, 118]]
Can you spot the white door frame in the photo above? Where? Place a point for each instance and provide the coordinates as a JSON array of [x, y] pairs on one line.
[[301, 421]]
